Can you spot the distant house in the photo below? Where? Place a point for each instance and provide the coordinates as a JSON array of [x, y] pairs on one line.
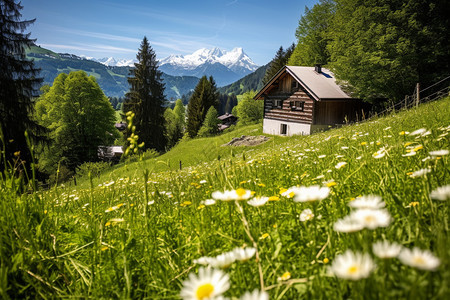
[[110, 153], [121, 126], [302, 100], [226, 121]]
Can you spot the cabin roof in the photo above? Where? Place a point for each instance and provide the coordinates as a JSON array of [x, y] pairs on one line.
[[225, 116], [320, 85]]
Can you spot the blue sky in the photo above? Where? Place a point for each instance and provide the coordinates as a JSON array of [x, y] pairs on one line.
[[103, 28]]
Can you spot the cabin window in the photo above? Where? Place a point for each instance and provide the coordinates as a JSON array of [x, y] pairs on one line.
[[294, 86], [297, 105], [278, 103], [283, 129]]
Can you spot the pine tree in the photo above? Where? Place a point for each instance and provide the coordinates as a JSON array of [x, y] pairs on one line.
[[146, 99], [205, 95], [280, 60], [18, 85], [209, 126]]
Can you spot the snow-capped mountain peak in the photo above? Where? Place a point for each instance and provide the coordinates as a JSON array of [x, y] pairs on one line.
[[236, 59], [113, 62]]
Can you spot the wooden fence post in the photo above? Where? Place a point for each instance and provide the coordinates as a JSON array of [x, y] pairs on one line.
[[417, 94]]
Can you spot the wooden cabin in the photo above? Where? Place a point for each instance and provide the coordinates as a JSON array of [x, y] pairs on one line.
[[226, 121], [302, 100]]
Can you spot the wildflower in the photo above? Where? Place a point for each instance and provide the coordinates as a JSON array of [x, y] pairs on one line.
[[371, 218], [264, 236], [420, 173], [340, 165], [363, 143], [255, 295], [258, 201], [261, 184], [223, 260], [410, 153], [347, 224], [330, 183], [208, 284], [412, 204], [326, 260], [201, 206], [186, 203], [380, 153], [417, 148], [417, 258], [202, 181], [239, 194], [344, 147], [151, 202], [311, 193], [285, 276], [322, 156], [385, 249], [439, 153], [441, 193], [209, 202], [289, 193], [244, 254], [352, 266], [104, 248], [274, 198], [368, 202], [306, 215], [403, 132], [418, 132]]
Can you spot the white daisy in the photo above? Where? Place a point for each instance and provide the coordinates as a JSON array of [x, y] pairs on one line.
[[239, 194], [244, 254], [223, 260], [290, 192], [439, 153], [417, 258], [371, 218], [340, 164], [209, 202], [255, 295], [385, 249], [347, 224], [208, 284], [420, 173], [368, 201], [258, 201], [411, 153], [306, 215], [441, 193], [311, 193], [418, 132], [352, 266]]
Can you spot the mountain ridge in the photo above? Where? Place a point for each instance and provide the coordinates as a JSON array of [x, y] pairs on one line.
[[112, 79], [225, 66]]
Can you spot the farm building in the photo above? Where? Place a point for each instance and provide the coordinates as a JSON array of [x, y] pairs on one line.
[[226, 121], [302, 100]]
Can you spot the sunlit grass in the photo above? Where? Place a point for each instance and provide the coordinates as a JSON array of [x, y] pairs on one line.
[[137, 231]]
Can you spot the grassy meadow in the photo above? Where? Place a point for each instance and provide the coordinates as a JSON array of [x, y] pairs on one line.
[[144, 229]]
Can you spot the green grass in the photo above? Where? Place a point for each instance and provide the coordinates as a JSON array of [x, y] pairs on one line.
[[106, 238]]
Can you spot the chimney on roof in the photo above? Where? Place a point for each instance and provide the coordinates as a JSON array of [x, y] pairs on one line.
[[318, 68]]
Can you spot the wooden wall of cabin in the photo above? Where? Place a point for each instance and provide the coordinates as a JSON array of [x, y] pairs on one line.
[[333, 112], [285, 111]]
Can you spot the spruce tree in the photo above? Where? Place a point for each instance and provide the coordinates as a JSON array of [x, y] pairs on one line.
[[146, 99], [280, 60], [205, 95], [18, 86]]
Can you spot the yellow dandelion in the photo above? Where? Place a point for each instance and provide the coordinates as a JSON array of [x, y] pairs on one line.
[[264, 236], [282, 190], [413, 204], [261, 184], [285, 276], [363, 143], [104, 248], [417, 148], [201, 206], [242, 182], [331, 183], [274, 198]]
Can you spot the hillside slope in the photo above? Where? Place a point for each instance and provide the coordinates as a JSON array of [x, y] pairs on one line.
[[145, 229]]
